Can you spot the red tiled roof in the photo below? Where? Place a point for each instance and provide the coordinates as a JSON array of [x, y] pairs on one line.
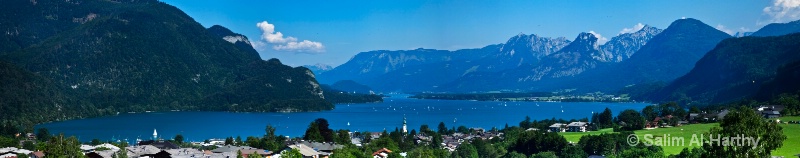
[[39, 154], [381, 151]]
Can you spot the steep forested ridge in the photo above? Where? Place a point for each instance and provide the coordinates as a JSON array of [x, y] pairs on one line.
[[736, 69], [105, 57]]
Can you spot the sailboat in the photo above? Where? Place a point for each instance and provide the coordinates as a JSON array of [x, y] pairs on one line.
[[348, 123], [455, 119]]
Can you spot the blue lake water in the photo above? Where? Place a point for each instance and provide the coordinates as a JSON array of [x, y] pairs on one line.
[[375, 117]]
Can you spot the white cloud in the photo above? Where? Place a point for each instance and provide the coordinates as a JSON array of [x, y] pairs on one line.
[[600, 39], [288, 43], [724, 29], [305, 46], [635, 28], [781, 11]]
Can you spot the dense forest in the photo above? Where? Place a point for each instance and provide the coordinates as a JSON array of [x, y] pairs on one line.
[[737, 69], [63, 60]]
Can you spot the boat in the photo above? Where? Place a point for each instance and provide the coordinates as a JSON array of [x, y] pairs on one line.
[[348, 123]]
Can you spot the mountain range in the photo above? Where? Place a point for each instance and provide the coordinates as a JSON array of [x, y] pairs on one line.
[[666, 65], [520, 60]]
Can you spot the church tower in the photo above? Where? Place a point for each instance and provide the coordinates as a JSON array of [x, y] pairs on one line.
[[405, 129]]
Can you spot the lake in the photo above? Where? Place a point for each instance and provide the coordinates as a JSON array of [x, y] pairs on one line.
[[375, 117]]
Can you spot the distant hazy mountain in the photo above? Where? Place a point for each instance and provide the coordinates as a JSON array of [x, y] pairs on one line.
[[108, 57], [425, 77], [737, 68], [533, 63], [367, 65], [351, 86], [522, 58], [778, 29], [666, 56], [522, 50], [319, 68], [583, 54], [623, 46]]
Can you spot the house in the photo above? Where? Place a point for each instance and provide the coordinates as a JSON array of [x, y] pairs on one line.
[[693, 117], [189, 152], [324, 148], [161, 154], [721, 115], [382, 153], [37, 154], [9, 155], [477, 130], [229, 148], [305, 151], [31, 136], [771, 114], [557, 127], [577, 126], [160, 144], [356, 141], [263, 153], [771, 108], [375, 135], [138, 151], [12, 151], [770, 111], [93, 155]]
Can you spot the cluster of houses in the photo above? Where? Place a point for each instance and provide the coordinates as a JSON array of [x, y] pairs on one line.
[[451, 142], [571, 127], [12, 152], [162, 149]]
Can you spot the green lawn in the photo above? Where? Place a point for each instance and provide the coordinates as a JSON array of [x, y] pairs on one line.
[[791, 146], [576, 136], [685, 132]]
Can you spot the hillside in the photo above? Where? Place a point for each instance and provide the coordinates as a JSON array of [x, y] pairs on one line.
[[146, 55], [736, 69], [778, 29]]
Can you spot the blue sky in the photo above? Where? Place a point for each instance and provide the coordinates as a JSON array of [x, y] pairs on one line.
[[331, 32]]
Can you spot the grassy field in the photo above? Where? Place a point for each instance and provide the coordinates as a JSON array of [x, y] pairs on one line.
[[685, 132], [576, 136], [791, 146]]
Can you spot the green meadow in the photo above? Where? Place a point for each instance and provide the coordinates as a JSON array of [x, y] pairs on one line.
[[791, 146]]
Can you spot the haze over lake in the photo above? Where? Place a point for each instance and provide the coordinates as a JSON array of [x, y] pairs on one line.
[[374, 117]]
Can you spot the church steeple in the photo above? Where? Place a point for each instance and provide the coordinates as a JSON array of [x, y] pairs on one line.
[[155, 134], [405, 129]]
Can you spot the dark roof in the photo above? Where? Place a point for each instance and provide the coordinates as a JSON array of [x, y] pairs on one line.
[[770, 113], [160, 144], [162, 154], [93, 155]]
